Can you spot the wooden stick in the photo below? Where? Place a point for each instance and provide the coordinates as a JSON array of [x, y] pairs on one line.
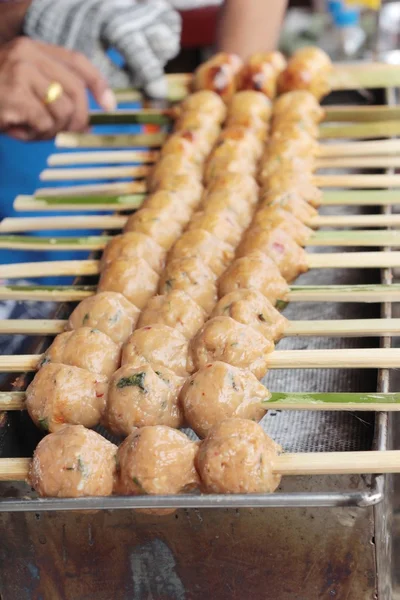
[[55, 293], [306, 463], [100, 190], [339, 260], [367, 75], [279, 401], [360, 197], [320, 238], [362, 113], [333, 328], [361, 358], [100, 158], [338, 463], [368, 162], [360, 131], [10, 225], [375, 148], [350, 221], [119, 140], [133, 172], [73, 203], [357, 181]]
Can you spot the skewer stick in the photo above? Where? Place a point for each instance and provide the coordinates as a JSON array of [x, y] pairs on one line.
[[131, 172], [320, 238], [357, 181], [64, 159], [142, 116], [339, 260], [375, 148], [331, 328], [84, 203], [350, 221], [279, 401], [102, 190], [305, 463], [361, 162], [361, 358], [362, 113], [10, 225], [370, 75], [360, 131], [360, 197], [118, 140], [327, 293]]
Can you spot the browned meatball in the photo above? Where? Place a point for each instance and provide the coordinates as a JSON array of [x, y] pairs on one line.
[[202, 244], [237, 152], [219, 391], [269, 217], [73, 462], [156, 224], [308, 69], [193, 144], [238, 185], [133, 278], [255, 272], [219, 74], [189, 189], [204, 102], [290, 201], [230, 201], [109, 312], [226, 340], [140, 396], [204, 124], [157, 345], [193, 276], [171, 163], [287, 182], [86, 348], [176, 309], [172, 204], [135, 245], [296, 106], [278, 245], [261, 72], [250, 109], [61, 394], [222, 224], [238, 458], [251, 308], [276, 165], [157, 460]]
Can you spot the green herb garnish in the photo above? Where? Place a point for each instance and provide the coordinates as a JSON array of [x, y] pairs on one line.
[[232, 381], [139, 485], [45, 360], [134, 380], [85, 319], [44, 424], [281, 304], [82, 468]]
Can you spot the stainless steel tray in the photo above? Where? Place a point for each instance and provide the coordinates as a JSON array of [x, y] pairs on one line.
[[296, 431]]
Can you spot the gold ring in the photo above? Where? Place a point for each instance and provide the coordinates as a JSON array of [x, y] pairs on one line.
[[54, 92]]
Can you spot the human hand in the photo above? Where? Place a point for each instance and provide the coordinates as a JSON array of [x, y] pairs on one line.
[[27, 70], [146, 34]]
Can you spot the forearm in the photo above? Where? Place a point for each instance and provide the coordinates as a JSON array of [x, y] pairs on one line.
[[12, 16], [249, 26]]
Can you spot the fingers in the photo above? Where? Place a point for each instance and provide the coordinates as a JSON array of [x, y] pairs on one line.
[[83, 68], [61, 110]]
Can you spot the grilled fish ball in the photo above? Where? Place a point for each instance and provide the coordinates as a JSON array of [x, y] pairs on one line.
[[193, 276], [222, 224], [230, 158], [190, 190], [171, 163], [255, 272], [224, 339], [238, 184], [172, 204], [140, 396], [269, 217], [135, 245], [237, 457], [230, 201], [308, 69], [176, 309], [278, 245], [73, 462], [297, 105], [238, 136], [219, 391], [133, 278], [61, 394], [251, 308], [302, 184], [219, 74], [193, 144], [204, 102], [200, 243], [277, 165], [157, 460], [252, 110], [157, 345], [205, 126], [109, 312], [156, 224], [290, 201], [85, 348]]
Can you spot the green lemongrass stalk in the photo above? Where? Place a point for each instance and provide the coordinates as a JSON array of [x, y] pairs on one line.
[[84, 203], [47, 293], [361, 113], [21, 242], [360, 197], [366, 238], [118, 140], [361, 131], [142, 116], [367, 75]]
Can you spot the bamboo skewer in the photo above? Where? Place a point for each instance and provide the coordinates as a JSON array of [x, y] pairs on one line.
[[360, 197], [131, 172], [357, 181], [358, 162], [320, 238], [362, 113], [117, 156], [305, 463], [81, 203], [331, 293], [337, 260], [10, 401], [331, 328], [361, 358], [108, 222], [375, 148]]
